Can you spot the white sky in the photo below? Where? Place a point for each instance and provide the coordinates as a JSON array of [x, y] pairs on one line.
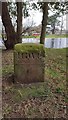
[[36, 17]]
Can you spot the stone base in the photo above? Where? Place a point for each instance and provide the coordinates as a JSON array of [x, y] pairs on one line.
[[29, 67]]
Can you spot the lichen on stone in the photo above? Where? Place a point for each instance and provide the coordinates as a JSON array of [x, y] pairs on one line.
[[30, 48]]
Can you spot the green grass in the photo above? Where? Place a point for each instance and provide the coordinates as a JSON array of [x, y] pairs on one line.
[[55, 77], [57, 36], [30, 36], [0, 35], [21, 93], [7, 69], [7, 109], [49, 36], [56, 68]]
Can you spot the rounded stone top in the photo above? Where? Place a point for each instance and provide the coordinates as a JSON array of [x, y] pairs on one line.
[[29, 48]]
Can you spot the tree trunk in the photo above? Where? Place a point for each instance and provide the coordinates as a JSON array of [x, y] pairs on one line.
[[19, 22], [0, 8], [53, 30], [9, 29], [61, 25], [44, 22]]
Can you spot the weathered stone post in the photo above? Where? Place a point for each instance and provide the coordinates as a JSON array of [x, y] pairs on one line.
[[29, 63]]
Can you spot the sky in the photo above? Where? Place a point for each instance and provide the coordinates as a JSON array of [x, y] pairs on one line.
[[36, 18]]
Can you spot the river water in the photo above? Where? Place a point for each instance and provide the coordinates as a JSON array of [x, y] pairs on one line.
[[49, 42]]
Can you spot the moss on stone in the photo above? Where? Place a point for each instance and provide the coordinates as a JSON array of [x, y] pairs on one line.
[[29, 48]]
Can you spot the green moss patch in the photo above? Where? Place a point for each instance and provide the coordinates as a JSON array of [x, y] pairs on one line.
[[29, 48]]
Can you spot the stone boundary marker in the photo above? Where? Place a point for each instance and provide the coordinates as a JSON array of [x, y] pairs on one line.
[[29, 63]]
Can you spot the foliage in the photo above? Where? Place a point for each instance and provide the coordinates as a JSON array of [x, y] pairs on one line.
[[13, 12], [53, 6], [52, 20], [13, 9]]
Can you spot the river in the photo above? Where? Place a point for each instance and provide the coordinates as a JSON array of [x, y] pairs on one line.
[[49, 42]]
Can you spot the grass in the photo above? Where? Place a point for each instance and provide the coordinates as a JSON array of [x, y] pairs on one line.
[[28, 92], [49, 36], [55, 71], [57, 36], [53, 88], [57, 66], [7, 69]]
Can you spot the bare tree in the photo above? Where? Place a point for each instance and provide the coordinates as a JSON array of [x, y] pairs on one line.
[[19, 21], [9, 29], [44, 22], [12, 36]]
